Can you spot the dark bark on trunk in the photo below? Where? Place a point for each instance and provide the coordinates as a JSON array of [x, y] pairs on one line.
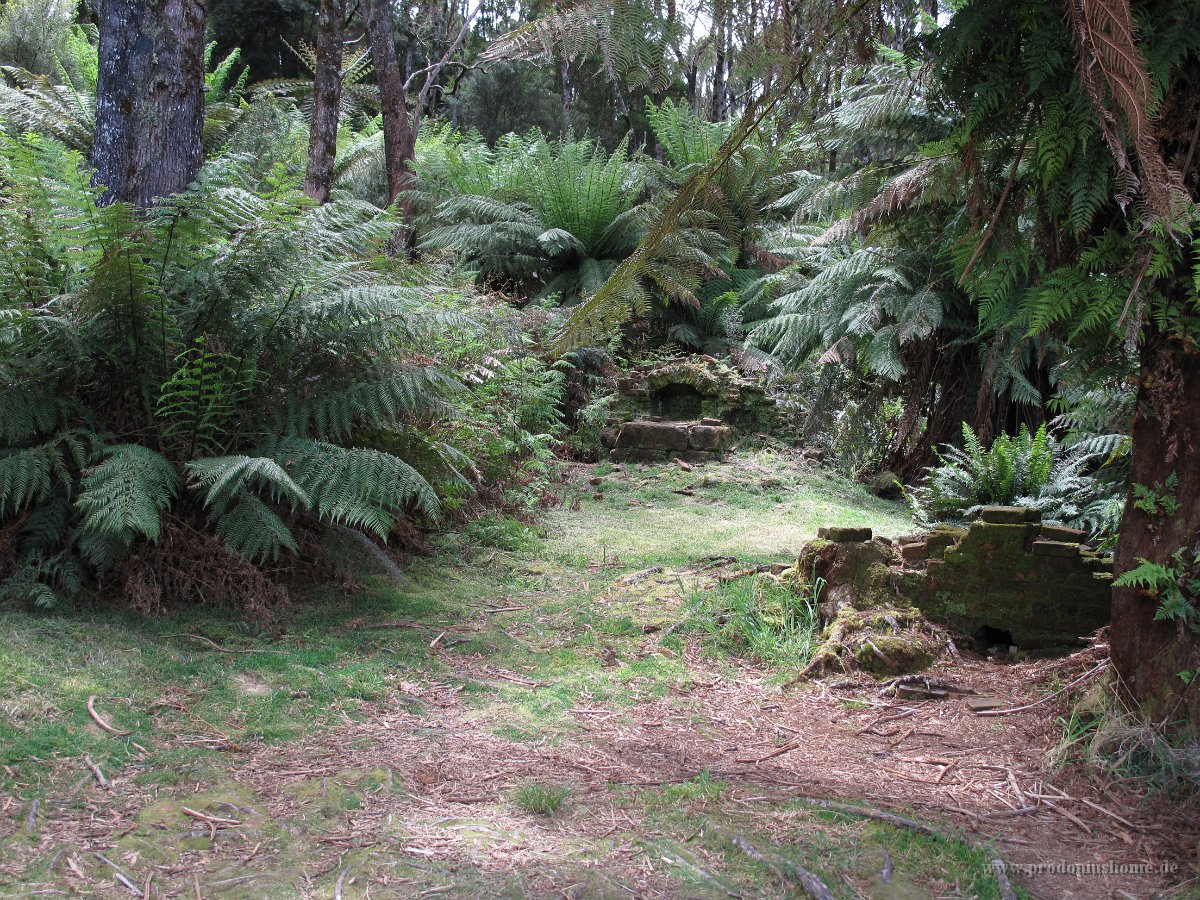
[[564, 70], [149, 98], [327, 100], [717, 110], [398, 139], [1149, 655]]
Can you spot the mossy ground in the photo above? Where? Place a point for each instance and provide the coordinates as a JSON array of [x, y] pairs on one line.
[[383, 742]]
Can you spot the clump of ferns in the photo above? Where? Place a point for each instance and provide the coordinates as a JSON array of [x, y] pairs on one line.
[[228, 362]]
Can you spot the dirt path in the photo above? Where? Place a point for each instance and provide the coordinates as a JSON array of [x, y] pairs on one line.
[[668, 779]]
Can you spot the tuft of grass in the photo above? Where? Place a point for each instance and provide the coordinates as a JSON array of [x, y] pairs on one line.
[[541, 799], [701, 789], [760, 619]]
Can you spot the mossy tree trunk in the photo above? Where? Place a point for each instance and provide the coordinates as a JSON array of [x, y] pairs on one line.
[[149, 98], [1149, 655], [399, 140], [327, 100]]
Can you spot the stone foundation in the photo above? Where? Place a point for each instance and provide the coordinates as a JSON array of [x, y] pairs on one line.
[[1007, 576], [647, 440]]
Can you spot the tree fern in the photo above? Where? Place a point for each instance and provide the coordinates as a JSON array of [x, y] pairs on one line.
[[140, 353]]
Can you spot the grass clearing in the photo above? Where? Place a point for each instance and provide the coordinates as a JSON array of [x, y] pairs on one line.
[[506, 721]]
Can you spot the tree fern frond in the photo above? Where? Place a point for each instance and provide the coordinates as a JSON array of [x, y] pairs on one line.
[[123, 496]]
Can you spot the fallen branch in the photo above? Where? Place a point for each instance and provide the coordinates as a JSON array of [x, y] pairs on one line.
[[219, 648], [638, 576], [118, 874], [96, 717], [785, 870], [878, 815], [99, 776], [211, 820], [1016, 709], [786, 748], [1006, 888]]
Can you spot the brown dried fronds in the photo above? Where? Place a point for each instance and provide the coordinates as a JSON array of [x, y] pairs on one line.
[[1111, 65], [189, 567]]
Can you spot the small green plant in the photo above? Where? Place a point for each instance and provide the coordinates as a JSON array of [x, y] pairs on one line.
[[701, 789], [1158, 500], [1176, 586], [1031, 470], [541, 799]]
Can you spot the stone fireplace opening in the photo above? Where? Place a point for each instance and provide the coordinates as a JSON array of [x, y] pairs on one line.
[[677, 403]]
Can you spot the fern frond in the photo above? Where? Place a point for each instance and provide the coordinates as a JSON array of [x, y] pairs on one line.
[[122, 497]]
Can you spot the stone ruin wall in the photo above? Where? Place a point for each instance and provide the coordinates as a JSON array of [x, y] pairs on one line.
[[1008, 578]]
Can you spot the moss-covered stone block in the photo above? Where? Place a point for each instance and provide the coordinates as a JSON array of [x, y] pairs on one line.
[[1005, 515], [845, 535], [993, 579], [1062, 533]]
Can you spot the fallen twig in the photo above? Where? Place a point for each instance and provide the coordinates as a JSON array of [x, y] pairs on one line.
[[99, 776], [638, 576], [117, 873], [211, 820], [98, 719], [1016, 709], [868, 812], [786, 748], [219, 648], [811, 883], [1006, 888]]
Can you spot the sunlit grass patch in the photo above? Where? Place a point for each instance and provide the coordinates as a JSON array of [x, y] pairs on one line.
[[759, 619]]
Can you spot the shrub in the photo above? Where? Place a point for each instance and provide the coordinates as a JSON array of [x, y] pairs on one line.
[[1033, 470], [216, 364], [541, 799]]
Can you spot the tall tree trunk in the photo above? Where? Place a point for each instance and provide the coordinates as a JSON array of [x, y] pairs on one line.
[[564, 69], [327, 100], [399, 141], [1149, 655], [149, 98], [717, 109]]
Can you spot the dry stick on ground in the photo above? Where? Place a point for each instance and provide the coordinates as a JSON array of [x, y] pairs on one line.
[[117, 873], [100, 779], [806, 879], [1006, 888], [1016, 709], [96, 717], [216, 646], [878, 815]]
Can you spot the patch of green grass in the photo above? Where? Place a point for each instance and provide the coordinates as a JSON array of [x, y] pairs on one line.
[[163, 679], [759, 619], [758, 507], [541, 799], [701, 789]]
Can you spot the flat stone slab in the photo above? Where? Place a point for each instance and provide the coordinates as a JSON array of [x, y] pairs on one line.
[[1008, 515], [1054, 548], [984, 704], [645, 435], [845, 535], [1062, 533], [710, 437]]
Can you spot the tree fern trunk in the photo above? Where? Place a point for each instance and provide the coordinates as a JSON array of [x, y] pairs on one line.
[[327, 101], [149, 98], [1149, 655]]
